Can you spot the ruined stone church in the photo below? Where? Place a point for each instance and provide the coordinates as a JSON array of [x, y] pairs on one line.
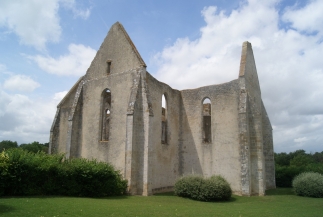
[[114, 113]]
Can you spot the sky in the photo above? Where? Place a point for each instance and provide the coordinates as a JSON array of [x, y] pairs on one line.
[[45, 46]]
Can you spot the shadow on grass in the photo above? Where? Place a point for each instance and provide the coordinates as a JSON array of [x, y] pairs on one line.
[[232, 199], [6, 209], [280, 191], [121, 197], [165, 194]]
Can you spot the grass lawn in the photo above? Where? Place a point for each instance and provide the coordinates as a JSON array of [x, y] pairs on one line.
[[278, 202]]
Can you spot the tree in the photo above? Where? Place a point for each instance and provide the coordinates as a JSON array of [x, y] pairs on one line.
[[35, 147], [291, 164], [6, 144], [282, 159], [302, 160], [318, 157]]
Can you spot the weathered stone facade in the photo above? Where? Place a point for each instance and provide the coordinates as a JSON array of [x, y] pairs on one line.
[[114, 114]]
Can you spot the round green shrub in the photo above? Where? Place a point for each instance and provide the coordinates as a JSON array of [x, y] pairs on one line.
[[188, 186], [215, 188], [308, 184]]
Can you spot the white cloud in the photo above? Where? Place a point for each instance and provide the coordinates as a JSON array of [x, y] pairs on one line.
[[70, 4], [20, 83], [36, 22], [308, 19], [219, 44], [24, 119], [289, 68], [300, 140], [74, 63], [60, 95]]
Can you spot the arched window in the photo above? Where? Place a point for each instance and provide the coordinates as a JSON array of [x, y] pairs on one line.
[[105, 115], [206, 120], [164, 120]]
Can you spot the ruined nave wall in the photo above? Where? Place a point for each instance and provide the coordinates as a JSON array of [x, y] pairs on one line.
[[165, 157], [112, 150], [60, 128], [221, 155]]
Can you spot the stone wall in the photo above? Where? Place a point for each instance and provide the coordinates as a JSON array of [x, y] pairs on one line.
[[221, 155], [76, 129], [165, 155], [267, 133], [231, 136], [248, 81], [138, 141], [60, 128]]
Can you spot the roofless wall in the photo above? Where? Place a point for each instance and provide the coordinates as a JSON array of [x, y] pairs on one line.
[[115, 114]]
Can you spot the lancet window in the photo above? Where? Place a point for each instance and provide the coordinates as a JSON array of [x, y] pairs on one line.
[[105, 115], [164, 120], [206, 120]]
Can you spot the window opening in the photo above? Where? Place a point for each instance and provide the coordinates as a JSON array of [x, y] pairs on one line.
[[108, 66], [207, 120], [106, 110], [164, 121]]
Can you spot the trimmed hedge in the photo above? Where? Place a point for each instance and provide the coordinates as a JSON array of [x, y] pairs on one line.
[[26, 173], [285, 174], [215, 188], [308, 184]]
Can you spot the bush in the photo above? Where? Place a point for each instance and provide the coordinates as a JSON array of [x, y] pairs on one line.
[[196, 187], [27, 173], [285, 175], [290, 165], [308, 184]]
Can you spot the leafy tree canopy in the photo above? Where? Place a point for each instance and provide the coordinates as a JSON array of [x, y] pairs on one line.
[[35, 147], [290, 165], [31, 147], [6, 144]]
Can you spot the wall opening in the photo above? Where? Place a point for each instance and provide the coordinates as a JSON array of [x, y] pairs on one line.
[[108, 67], [206, 114], [105, 115], [164, 120]]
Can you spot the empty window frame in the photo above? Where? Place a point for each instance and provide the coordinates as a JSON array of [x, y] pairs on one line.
[[109, 66], [164, 120], [105, 115], [206, 114]]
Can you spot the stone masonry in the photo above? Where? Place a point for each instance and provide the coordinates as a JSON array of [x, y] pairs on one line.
[[114, 114]]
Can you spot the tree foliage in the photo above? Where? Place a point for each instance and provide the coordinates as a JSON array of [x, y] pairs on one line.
[[6, 144], [35, 147], [289, 165]]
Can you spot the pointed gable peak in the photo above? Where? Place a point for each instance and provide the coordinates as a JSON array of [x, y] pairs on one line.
[[248, 68], [119, 27], [117, 54], [245, 52]]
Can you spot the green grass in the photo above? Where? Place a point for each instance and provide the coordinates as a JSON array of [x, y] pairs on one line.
[[278, 202]]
